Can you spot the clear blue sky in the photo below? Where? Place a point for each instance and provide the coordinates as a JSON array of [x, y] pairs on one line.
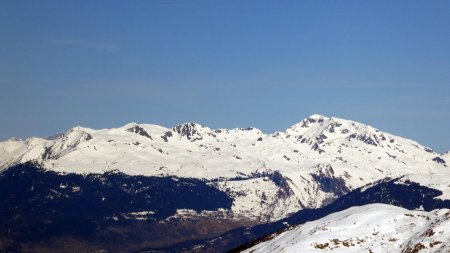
[[225, 64]]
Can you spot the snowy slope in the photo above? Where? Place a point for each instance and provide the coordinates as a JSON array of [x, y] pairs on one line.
[[446, 156], [370, 228], [307, 165]]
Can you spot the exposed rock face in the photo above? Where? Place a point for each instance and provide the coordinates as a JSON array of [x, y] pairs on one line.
[[139, 130], [191, 131], [166, 136], [329, 182], [439, 160]]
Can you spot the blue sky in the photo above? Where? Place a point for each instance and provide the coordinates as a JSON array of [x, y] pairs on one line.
[[225, 64]]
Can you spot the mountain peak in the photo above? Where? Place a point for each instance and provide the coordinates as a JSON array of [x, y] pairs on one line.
[[306, 122], [191, 124], [191, 130], [319, 132], [14, 139], [317, 116]]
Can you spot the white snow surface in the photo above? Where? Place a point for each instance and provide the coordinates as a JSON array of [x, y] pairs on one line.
[[446, 156], [318, 145], [370, 228]]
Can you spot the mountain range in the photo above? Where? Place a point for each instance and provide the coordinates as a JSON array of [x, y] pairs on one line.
[[186, 186]]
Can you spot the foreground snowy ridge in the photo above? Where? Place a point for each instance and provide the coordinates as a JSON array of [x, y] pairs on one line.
[[268, 175], [370, 228]]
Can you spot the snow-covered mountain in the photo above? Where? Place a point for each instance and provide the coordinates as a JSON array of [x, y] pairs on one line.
[[268, 175], [369, 228], [400, 192]]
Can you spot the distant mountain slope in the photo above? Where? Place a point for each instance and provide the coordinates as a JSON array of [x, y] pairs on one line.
[[370, 228], [121, 213], [401, 192], [268, 175], [43, 211]]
